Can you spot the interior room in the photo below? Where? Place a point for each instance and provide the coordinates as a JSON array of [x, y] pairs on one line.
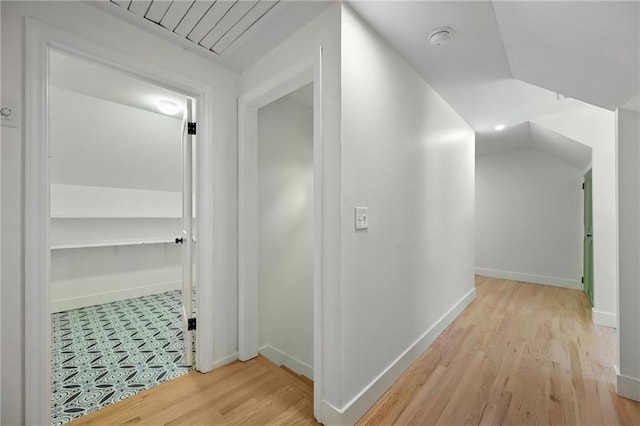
[[457, 275], [116, 210], [285, 232]]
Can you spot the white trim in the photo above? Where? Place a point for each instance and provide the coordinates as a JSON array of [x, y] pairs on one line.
[[281, 358], [606, 319], [227, 359], [359, 405], [529, 278], [589, 167], [61, 305], [39, 38], [36, 256], [302, 73], [628, 387]]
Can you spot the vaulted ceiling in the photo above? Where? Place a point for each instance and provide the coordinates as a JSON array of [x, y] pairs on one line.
[[507, 62]]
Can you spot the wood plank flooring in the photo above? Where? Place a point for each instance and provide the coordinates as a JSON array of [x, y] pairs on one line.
[[255, 392], [520, 354]]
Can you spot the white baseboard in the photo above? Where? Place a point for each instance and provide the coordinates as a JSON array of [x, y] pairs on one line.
[[628, 387], [359, 405], [227, 359], [603, 318], [280, 358], [529, 278], [112, 296]]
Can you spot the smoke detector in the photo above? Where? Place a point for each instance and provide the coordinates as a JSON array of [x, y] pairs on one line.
[[439, 36]]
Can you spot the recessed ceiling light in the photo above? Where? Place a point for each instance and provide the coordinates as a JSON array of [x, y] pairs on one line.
[[499, 127], [439, 36], [168, 107]]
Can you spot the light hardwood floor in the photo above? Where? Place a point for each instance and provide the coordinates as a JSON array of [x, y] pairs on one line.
[[255, 392], [520, 354]]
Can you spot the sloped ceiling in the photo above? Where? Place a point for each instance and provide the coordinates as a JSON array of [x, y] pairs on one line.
[[568, 150], [512, 138], [70, 73], [509, 62], [534, 136], [588, 50], [471, 72]]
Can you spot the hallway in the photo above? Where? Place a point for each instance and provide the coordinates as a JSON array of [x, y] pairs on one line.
[[519, 354]]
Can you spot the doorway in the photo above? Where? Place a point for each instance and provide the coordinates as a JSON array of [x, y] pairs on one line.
[[121, 220], [587, 274], [249, 340], [40, 41], [285, 231]]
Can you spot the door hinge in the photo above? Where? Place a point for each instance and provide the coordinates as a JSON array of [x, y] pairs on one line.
[[191, 128], [583, 186], [191, 324], [582, 280]]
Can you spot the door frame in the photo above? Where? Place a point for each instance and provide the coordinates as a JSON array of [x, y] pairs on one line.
[[39, 39], [304, 72], [587, 287]]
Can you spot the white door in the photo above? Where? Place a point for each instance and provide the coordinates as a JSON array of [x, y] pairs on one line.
[[187, 233]]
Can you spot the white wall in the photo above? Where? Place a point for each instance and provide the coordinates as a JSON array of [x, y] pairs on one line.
[[529, 223], [85, 201], [285, 232], [595, 127], [323, 32], [116, 180], [408, 157], [99, 27], [90, 276], [628, 139], [95, 142]]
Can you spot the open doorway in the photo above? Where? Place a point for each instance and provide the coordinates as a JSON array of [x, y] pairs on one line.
[[296, 178], [285, 232], [121, 228]]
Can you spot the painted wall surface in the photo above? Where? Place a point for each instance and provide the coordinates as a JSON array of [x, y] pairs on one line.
[[408, 157], [101, 153], [529, 222], [97, 26], [285, 232], [628, 138], [95, 142], [112, 243], [595, 127], [323, 32]]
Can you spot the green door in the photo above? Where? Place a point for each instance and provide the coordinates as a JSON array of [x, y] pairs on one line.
[[587, 268]]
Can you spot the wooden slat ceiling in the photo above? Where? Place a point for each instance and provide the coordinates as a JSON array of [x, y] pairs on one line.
[[212, 25]]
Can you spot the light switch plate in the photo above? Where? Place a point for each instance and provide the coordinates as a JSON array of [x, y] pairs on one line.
[[9, 117], [362, 218]]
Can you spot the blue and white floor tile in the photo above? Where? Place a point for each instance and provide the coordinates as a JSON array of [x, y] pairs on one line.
[[105, 353]]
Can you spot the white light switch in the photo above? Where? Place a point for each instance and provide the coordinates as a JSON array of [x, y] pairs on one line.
[[362, 218], [8, 116]]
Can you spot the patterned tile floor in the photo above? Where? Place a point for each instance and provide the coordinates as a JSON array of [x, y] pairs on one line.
[[105, 353]]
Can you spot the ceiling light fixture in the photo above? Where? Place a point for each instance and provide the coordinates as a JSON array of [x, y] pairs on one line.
[[499, 127], [168, 107], [439, 36]]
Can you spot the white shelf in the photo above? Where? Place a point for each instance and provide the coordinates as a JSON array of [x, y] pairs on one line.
[[114, 217], [111, 244]]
